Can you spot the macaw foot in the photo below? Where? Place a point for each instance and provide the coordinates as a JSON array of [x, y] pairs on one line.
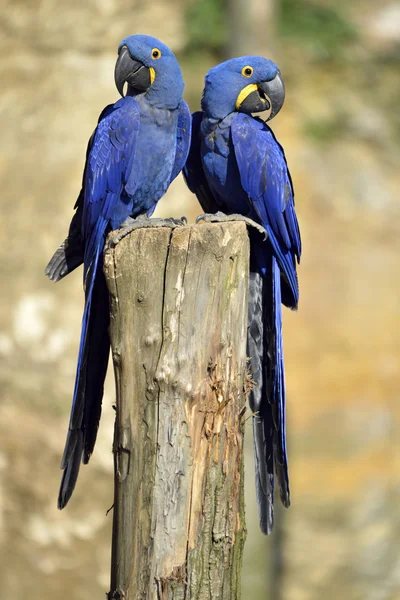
[[221, 217], [143, 221]]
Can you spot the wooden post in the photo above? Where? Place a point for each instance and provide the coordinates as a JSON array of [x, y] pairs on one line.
[[178, 335]]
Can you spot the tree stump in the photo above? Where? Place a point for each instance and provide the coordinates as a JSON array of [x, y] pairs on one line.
[[178, 335]]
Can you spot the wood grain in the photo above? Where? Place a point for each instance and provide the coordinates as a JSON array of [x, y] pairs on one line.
[[178, 334]]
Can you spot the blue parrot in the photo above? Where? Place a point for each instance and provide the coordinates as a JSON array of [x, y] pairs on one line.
[[236, 165], [137, 149]]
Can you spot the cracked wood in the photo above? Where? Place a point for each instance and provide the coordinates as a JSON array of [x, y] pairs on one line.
[[178, 335]]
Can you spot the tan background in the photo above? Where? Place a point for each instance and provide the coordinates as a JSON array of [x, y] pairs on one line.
[[341, 129]]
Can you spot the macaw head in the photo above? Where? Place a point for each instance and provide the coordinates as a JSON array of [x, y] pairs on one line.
[[248, 84], [149, 67]]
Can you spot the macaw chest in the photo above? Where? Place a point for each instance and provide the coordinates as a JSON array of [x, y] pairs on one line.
[[221, 170], [154, 158]]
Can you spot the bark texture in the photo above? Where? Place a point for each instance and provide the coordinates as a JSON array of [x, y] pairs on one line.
[[178, 334]]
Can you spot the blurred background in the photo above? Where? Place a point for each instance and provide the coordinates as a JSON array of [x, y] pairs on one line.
[[340, 128]]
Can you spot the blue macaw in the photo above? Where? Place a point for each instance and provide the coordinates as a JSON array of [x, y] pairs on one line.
[[137, 149], [236, 165]]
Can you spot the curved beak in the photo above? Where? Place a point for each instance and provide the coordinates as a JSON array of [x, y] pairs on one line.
[[274, 91], [132, 72], [251, 101]]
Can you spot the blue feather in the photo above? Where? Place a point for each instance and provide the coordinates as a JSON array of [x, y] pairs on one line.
[[257, 150], [138, 147], [236, 165], [182, 139]]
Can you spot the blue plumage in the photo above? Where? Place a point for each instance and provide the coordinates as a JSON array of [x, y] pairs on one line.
[[265, 178], [236, 165], [138, 147]]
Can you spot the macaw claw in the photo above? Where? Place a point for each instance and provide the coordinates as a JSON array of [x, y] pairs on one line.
[[221, 217], [143, 221]]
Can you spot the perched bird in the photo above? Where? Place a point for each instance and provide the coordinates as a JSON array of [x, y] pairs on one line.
[[138, 147], [237, 166]]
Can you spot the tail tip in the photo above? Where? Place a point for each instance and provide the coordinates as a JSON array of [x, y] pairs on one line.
[[267, 525], [62, 501]]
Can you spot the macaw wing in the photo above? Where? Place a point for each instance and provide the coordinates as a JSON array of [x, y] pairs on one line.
[[193, 172], [69, 255], [183, 135], [109, 164], [265, 177]]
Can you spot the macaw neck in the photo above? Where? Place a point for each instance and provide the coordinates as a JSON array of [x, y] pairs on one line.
[[209, 124], [158, 98], [166, 91], [216, 134], [158, 115], [214, 104]]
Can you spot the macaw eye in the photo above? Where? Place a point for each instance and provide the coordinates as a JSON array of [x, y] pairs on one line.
[[156, 53], [247, 71]]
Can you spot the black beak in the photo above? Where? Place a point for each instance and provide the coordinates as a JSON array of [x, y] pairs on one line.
[[132, 72], [254, 103], [274, 90]]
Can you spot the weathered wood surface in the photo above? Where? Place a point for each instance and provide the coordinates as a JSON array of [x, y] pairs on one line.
[[178, 334]]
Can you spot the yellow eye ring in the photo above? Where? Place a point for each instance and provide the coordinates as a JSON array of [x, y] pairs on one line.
[[156, 53], [247, 71]]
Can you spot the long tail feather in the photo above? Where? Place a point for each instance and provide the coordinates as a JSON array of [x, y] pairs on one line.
[[89, 383], [71, 470], [263, 450], [278, 391], [96, 364], [267, 398]]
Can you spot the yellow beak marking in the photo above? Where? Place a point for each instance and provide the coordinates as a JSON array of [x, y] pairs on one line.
[[246, 91], [152, 75]]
